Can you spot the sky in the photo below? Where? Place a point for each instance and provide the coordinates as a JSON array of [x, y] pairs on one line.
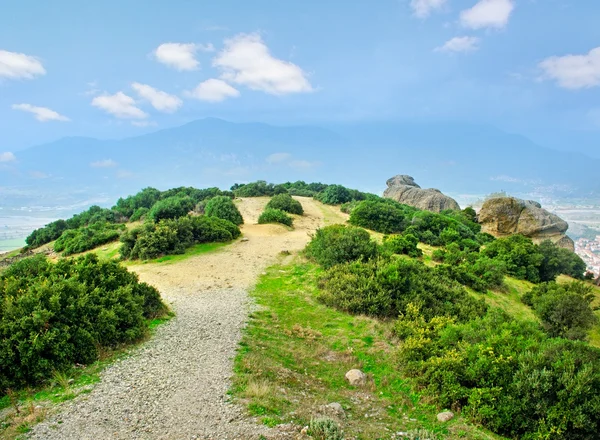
[[114, 69]]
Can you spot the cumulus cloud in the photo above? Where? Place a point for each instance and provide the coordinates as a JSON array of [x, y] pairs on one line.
[[423, 8], [279, 157], [160, 100], [119, 105], [181, 56], [19, 66], [213, 90], [42, 114], [246, 60], [460, 44], [487, 14], [107, 163], [574, 71], [7, 156]]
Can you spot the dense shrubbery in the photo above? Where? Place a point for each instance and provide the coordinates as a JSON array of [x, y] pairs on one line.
[[338, 244], [384, 288], [402, 245], [55, 315], [382, 215], [504, 374], [171, 207], [284, 202], [223, 207], [563, 309], [348, 207], [257, 189], [270, 215], [74, 241], [174, 236]]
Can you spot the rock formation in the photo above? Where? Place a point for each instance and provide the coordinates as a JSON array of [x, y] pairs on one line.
[[503, 216], [403, 189]]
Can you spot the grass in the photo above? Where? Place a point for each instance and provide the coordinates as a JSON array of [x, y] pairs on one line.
[[296, 351], [198, 249], [21, 410]]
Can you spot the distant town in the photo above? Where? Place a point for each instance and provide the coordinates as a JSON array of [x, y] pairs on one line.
[[589, 251]]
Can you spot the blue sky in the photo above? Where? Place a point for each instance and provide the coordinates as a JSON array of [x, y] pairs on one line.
[[113, 69]]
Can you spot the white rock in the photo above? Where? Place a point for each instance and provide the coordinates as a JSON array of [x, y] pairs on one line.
[[356, 377], [445, 416]]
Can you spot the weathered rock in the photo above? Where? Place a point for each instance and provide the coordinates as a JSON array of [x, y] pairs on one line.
[[504, 216], [334, 409], [356, 377], [445, 416], [403, 189]]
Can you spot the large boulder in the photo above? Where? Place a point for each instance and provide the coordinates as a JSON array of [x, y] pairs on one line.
[[504, 216], [403, 189]]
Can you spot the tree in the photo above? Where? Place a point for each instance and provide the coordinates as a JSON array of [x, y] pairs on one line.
[[223, 207]]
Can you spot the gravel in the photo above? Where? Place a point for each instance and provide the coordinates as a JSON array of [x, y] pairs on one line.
[[173, 387]]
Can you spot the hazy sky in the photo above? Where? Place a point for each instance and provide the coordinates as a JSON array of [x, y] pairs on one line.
[[121, 68]]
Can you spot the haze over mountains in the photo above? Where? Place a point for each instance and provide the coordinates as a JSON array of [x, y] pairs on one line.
[[455, 157]]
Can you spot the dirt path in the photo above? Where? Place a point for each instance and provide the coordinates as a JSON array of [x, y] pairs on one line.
[[174, 387]]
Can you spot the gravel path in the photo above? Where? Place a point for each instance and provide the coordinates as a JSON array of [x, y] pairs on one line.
[[174, 386]]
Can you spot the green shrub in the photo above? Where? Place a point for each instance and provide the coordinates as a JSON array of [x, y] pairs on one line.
[[348, 207], [55, 315], [258, 189], [284, 202], [384, 289], [324, 429], [270, 215], [223, 207], [402, 245], [171, 207], [146, 198], [174, 236], [564, 310], [382, 215], [74, 241], [139, 214], [337, 244], [335, 195], [559, 261]]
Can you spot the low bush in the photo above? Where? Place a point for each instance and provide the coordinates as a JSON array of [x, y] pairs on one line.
[[55, 315], [564, 310], [270, 215], [325, 429], [335, 195], [258, 189], [139, 214], [174, 236], [74, 241], [382, 215], [337, 244], [223, 207], [285, 202], [384, 289], [504, 374], [402, 245], [348, 207], [170, 208]]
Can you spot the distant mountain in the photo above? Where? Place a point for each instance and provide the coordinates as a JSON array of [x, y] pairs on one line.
[[457, 158]]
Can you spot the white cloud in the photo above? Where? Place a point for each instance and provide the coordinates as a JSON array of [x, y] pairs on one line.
[[460, 44], [303, 164], [423, 8], [42, 114], [246, 60], [160, 100], [279, 157], [18, 66], [574, 71], [7, 157], [487, 14], [181, 56], [119, 105], [108, 163], [213, 90]]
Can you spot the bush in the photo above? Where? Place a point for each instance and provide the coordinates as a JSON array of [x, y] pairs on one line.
[[335, 195], [504, 374], [174, 236], [337, 244], [170, 208], [284, 202], [223, 207], [270, 215], [324, 429], [564, 310], [384, 289], [257, 189], [402, 245], [559, 261], [55, 315], [348, 207], [139, 214], [382, 215], [74, 241], [522, 258]]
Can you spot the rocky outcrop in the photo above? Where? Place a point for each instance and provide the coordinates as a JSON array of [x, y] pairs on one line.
[[403, 189], [504, 216]]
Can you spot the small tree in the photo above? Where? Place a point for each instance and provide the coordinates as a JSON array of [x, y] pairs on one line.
[[286, 203], [223, 207]]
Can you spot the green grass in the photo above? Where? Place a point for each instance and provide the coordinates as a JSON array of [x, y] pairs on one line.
[[33, 403], [296, 351], [198, 249]]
